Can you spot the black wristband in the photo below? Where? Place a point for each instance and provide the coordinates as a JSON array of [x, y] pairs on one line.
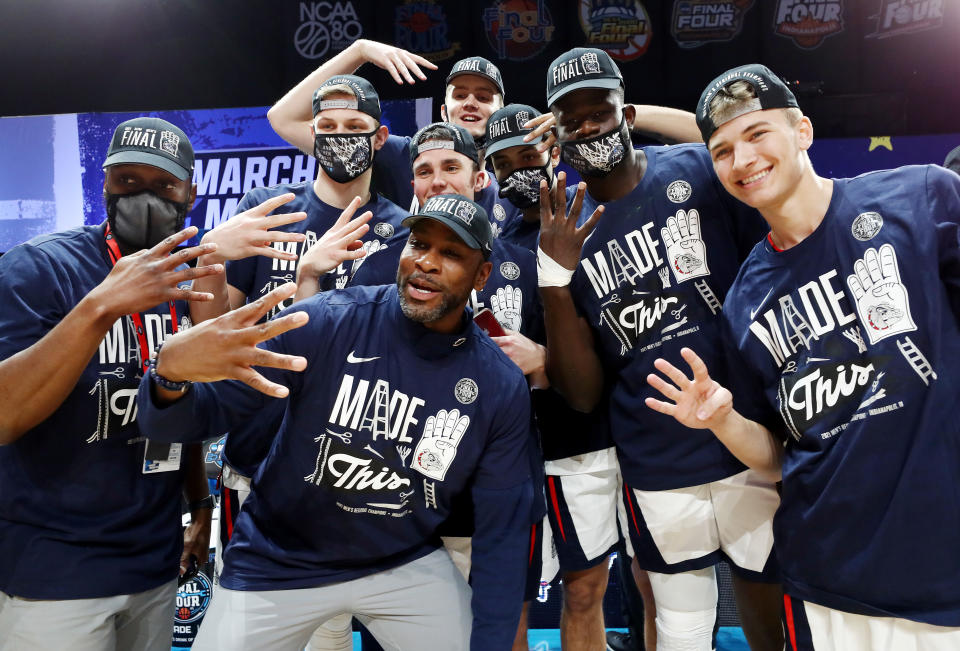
[[163, 382], [206, 503]]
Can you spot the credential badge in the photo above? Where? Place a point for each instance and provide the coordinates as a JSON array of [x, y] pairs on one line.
[[466, 391], [679, 191], [866, 225]]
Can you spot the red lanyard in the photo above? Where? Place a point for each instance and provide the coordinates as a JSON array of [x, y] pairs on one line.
[[114, 250]]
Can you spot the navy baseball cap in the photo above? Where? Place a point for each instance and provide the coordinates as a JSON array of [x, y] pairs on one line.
[[443, 135], [581, 67], [477, 66], [366, 98], [505, 127], [464, 217], [771, 92], [151, 141]]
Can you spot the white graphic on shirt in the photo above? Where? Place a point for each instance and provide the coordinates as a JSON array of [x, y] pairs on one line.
[[679, 191], [371, 450], [510, 270], [430, 494], [916, 360], [346, 437], [686, 251], [403, 452], [370, 247], [708, 296], [103, 420], [753, 312], [680, 320], [506, 304], [883, 304], [438, 446], [853, 334], [317, 475], [466, 391], [821, 390], [866, 225], [664, 277]]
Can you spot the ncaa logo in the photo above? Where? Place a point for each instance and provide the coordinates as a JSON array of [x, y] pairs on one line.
[[215, 451], [323, 24], [193, 599]]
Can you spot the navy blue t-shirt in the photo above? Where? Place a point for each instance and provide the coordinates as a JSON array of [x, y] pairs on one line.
[[387, 425], [79, 519], [848, 343], [647, 295], [393, 178], [258, 275]]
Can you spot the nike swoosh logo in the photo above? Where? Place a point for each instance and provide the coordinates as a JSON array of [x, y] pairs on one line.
[[753, 313], [818, 359], [353, 359]]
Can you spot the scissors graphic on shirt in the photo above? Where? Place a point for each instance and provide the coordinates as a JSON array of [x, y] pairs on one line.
[[117, 372]]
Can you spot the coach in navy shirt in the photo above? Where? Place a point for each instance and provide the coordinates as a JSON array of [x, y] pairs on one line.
[[402, 405]]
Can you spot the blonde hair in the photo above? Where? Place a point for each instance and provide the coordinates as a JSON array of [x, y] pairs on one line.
[[336, 89], [739, 97]]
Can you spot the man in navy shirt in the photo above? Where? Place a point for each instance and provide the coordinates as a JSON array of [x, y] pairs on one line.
[[651, 276], [843, 329], [90, 527], [343, 513]]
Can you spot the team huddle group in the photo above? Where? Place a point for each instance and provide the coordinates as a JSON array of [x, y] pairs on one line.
[[445, 375]]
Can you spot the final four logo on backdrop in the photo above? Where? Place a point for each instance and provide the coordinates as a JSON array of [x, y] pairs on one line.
[[518, 29], [808, 22], [696, 22], [621, 27], [326, 27], [897, 17], [421, 26]]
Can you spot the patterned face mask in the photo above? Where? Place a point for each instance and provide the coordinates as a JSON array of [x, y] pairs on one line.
[[597, 155], [522, 186], [344, 157]]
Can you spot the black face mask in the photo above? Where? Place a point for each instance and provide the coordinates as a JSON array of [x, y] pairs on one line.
[[597, 155], [142, 220], [522, 186], [344, 157]]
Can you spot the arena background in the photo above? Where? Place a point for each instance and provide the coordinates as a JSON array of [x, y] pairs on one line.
[[879, 78]]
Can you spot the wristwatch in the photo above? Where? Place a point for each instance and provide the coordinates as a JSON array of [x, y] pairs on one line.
[[207, 502]]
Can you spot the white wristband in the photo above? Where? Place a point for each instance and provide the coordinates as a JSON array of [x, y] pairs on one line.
[[551, 273]]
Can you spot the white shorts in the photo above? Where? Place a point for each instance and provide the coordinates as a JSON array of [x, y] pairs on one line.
[[691, 528], [582, 498], [142, 621], [811, 627]]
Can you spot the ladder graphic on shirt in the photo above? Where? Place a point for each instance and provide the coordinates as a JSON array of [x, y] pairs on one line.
[[916, 360], [430, 493], [103, 411], [618, 332], [379, 421], [798, 324], [708, 296]]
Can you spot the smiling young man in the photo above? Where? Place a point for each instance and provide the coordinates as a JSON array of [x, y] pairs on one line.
[[90, 509], [368, 451], [651, 276], [843, 324]]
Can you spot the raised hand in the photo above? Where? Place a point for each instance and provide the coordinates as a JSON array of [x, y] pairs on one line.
[[686, 252], [339, 244], [541, 125], [225, 348], [248, 233], [699, 403], [438, 445], [150, 277], [881, 298], [560, 238], [398, 62]]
